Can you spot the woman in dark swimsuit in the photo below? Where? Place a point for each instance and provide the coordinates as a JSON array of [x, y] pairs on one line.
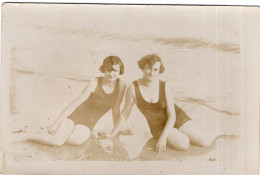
[[168, 123], [75, 123]]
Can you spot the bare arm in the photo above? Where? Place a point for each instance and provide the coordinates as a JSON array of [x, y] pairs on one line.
[[129, 102], [161, 144], [170, 112], [80, 99], [116, 107]]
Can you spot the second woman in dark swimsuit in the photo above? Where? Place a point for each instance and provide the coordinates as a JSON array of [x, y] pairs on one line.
[[168, 123]]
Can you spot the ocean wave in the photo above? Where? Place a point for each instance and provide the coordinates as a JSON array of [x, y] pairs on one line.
[[204, 103]]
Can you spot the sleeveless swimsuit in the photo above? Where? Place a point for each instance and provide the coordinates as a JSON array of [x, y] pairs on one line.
[[98, 103], [155, 113]]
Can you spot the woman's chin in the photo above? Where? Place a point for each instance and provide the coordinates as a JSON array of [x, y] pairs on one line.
[[111, 79], [151, 78]]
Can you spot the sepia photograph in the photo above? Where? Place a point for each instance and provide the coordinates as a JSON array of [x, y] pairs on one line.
[[129, 89]]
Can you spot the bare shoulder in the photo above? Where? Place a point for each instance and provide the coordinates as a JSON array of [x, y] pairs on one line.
[[130, 94], [167, 86], [131, 87], [130, 90], [168, 91], [122, 84], [139, 81], [91, 85]]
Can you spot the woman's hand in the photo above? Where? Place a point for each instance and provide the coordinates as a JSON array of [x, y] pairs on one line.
[[109, 135], [161, 144], [52, 129]]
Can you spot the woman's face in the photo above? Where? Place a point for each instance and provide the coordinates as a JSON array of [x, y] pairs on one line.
[[112, 73], [151, 72]]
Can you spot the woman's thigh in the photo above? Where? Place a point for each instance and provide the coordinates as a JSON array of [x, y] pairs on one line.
[[79, 135], [178, 140], [65, 127], [196, 135]]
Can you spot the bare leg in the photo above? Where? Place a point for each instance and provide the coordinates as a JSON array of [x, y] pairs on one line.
[[58, 138], [178, 140], [196, 135], [79, 135]]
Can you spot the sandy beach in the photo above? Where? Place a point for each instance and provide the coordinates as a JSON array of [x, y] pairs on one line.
[[53, 57], [37, 96]]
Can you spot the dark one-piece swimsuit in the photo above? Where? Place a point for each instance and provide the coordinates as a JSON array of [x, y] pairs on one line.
[[98, 103], [156, 113]]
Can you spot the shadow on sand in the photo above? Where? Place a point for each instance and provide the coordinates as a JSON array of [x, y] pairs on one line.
[[95, 149]]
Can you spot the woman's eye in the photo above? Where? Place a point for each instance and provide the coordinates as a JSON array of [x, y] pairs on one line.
[[156, 70]]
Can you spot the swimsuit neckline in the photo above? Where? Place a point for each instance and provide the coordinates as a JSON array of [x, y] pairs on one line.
[[159, 98], [101, 85]]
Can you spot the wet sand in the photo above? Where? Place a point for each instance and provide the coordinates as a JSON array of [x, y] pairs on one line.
[[100, 150]]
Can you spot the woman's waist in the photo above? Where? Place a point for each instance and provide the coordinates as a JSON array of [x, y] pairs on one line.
[[160, 116], [153, 111], [154, 107], [98, 102]]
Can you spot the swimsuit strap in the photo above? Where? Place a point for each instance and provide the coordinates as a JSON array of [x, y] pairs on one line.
[[138, 95], [141, 100], [116, 89], [162, 91], [100, 89]]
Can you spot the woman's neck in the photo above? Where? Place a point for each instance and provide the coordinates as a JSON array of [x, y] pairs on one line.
[[107, 82], [149, 82]]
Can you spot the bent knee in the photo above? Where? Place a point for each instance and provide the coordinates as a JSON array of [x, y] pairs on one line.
[[180, 143], [65, 127], [79, 135], [69, 123], [58, 142], [77, 142], [204, 143], [184, 144], [82, 130]]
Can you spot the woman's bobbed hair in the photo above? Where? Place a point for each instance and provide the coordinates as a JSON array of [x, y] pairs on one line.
[[109, 62], [150, 60]]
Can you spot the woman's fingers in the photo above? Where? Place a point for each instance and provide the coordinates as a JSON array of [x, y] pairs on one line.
[[52, 129], [157, 148], [164, 148], [51, 132], [160, 148]]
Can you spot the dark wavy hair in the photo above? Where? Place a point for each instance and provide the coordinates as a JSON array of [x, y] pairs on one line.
[[150, 60], [109, 62]]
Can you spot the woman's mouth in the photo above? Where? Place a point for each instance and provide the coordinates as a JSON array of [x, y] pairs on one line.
[[111, 77]]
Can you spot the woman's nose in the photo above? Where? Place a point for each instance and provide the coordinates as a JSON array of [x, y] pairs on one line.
[[112, 73], [152, 72], [109, 73]]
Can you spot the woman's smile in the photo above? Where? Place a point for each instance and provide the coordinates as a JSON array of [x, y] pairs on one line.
[[151, 72], [113, 73]]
